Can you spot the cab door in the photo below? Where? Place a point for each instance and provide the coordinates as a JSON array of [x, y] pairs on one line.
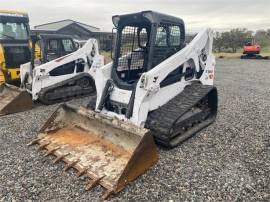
[[58, 47], [68, 46], [53, 49]]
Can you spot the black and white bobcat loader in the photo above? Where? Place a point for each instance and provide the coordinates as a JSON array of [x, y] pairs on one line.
[[156, 88], [53, 77]]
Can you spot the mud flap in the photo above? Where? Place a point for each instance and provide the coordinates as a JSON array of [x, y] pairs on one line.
[[13, 100], [110, 152]]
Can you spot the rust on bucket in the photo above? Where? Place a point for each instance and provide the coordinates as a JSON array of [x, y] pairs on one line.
[[109, 151]]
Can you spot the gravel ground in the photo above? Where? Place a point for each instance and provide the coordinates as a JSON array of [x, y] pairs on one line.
[[228, 161]]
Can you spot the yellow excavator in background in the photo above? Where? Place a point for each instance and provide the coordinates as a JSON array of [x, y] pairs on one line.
[[14, 45]]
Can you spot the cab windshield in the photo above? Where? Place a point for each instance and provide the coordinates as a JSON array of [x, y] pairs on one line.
[[12, 30]]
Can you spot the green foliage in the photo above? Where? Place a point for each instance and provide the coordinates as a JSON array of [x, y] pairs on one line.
[[262, 37], [235, 39]]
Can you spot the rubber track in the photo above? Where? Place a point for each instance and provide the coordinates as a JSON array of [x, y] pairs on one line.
[[162, 120], [65, 90], [65, 94]]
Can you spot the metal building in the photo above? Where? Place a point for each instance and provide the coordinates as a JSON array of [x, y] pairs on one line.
[[77, 30]]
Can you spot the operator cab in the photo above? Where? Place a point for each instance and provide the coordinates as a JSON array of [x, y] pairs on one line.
[[48, 47], [14, 39], [143, 41], [14, 27]]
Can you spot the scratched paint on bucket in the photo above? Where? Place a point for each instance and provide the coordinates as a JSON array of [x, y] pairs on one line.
[[93, 151]]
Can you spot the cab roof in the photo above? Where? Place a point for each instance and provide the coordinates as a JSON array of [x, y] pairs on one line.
[[13, 13], [146, 16]]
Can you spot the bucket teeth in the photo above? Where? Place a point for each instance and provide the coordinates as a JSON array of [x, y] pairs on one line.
[[42, 146], [92, 183], [106, 194], [51, 151], [35, 141], [109, 153], [70, 165], [82, 172], [59, 158]]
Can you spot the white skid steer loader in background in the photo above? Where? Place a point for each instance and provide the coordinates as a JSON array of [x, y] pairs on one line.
[[68, 76], [156, 86], [61, 79]]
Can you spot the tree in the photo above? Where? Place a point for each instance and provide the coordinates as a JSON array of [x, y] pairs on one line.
[[236, 38], [218, 43], [268, 32], [262, 37]]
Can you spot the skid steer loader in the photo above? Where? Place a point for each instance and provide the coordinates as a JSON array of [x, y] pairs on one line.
[[60, 79], [156, 86]]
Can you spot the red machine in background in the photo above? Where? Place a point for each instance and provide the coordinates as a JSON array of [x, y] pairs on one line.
[[251, 50]]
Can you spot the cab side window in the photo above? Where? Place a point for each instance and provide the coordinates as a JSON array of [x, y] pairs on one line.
[[167, 43], [174, 35], [161, 37], [68, 45], [52, 50], [52, 46]]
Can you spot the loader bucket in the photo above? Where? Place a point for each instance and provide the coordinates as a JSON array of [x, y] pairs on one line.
[[109, 151], [13, 100]]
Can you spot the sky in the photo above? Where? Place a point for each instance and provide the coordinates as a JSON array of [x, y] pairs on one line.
[[221, 15]]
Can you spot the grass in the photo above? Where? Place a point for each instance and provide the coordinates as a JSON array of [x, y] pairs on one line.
[[228, 55], [265, 52], [266, 49], [236, 55]]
